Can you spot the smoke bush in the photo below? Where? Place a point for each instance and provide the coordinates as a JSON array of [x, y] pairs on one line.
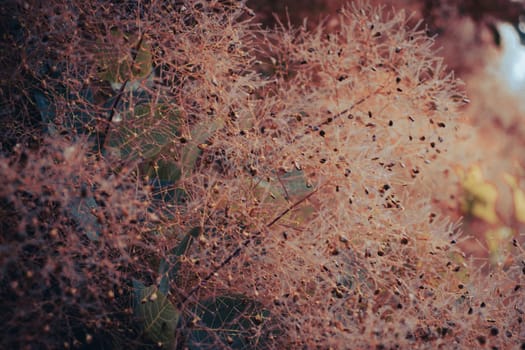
[[195, 181]]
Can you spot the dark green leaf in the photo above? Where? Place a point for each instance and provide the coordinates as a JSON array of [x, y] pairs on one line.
[[295, 183], [170, 273], [199, 135], [230, 320], [116, 61], [165, 170], [156, 314], [47, 112], [146, 133], [80, 209]]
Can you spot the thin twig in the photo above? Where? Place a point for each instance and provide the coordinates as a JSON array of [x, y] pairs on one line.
[[340, 114], [278, 217], [238, 250]]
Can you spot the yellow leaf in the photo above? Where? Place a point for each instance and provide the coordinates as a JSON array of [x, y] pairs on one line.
[[480, 196], [519, 198], [519, 205]]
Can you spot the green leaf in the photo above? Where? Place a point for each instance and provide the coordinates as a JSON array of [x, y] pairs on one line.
[[199, 135], [164, 170], [142, 134], [231, 320], [157, 315], [296, 184], [81, 209], [46, 110], [166, 191], [168, 274], [282, 190], [116, 61]]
